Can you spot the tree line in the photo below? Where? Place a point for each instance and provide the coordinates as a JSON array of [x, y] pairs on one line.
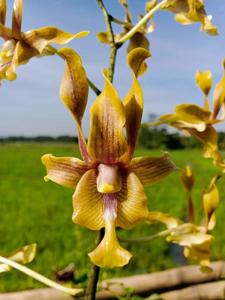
[[40, 139], [149, 138], [160, 138]]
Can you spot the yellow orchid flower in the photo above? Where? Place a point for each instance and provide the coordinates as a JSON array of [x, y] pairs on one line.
[[20, 46], [109, 184], [196, 238], [198, 121], [191, 11]]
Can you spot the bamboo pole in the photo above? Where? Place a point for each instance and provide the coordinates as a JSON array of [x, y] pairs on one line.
[[160, 281], [37, 294], [206, 291], [143, 285]]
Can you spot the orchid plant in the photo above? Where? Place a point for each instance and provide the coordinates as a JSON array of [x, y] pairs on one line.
[[109, 182]]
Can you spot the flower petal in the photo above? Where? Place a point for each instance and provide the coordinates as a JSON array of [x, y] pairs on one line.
[[211, 201], [42, 37], [88, 203], [6, 60], [209, 138], [10, 72], [196, 238], [125, 5], [186, 116], [138, 40], [133, 104], [103, 37], [168, 220], [208, 26], [109, 253], [22, 54], [201, 254], [106, 141], [133, 101], [219, 98], [5, 32], [191, 11], [150, 5], [3, 70], [25, 254], [17, 18], [151, 169], [4, 268], [3, 8], [66, 171], [187, 178], [74, 91], [192, 116], [136, 60], [22, 255], [74, 85], [204, 81], [176, 6], [132, 203]]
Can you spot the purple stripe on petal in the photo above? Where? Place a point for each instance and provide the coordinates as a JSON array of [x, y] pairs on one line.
[[83, 147], [110, 206]]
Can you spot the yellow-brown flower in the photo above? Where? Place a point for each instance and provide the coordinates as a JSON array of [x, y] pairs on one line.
[[196, 239], [109, 184], [191, 11], [198, 121], [20, 46]]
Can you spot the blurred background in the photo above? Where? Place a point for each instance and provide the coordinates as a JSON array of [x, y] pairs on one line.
[[34, 122]]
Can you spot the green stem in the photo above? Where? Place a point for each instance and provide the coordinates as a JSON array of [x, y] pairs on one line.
[[141, 22], [146, 238], [40, 277], [93, 275], [112, 61], [113, 46], [117, 21], [94, 87], [191, 211]]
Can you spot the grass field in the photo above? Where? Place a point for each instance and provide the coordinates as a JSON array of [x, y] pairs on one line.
[[34, 211]]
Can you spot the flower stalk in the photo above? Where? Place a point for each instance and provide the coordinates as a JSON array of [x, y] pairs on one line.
[[113, 45], [93, 275], [146, 238], [143, 20], [117, 21], [39, 277]]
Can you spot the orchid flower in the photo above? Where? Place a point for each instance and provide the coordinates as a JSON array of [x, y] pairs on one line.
[[198, 121], [191, 11], [108, 183], [197, 239], [20, 46]]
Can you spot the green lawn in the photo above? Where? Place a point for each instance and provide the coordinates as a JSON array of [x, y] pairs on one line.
[[34, 211]]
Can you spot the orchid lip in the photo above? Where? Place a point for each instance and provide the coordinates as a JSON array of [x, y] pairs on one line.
[[108, 179]]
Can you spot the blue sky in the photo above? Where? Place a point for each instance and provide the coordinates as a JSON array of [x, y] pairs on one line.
[[31, 106]]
